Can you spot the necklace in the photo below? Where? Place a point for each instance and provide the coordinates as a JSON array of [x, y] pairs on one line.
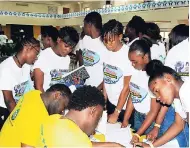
[[18, 60]]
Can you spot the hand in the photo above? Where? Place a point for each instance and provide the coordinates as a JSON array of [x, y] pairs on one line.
[[124, 124], [153, 134], [113, 118], [135, 139], [141, 144]]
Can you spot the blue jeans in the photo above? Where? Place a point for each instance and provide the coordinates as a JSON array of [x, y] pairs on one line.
[[183, 137], [138, 121]]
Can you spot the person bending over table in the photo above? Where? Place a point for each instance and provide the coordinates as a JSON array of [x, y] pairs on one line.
[[23, 124]]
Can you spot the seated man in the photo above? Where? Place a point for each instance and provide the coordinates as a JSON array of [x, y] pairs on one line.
[[22, 126], [73, 129]]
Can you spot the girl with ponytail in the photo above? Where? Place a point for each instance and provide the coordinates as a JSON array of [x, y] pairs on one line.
[[151, 108], [141, 101]]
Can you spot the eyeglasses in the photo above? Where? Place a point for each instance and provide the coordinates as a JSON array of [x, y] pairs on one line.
[[34, 47]]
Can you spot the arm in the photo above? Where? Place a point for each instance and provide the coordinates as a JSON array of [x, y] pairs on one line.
[[124, 93], [100, 87], [9, 100], [104, 92], [38, 79], [128, 112], [152, 135], [106, 144], [121, 102], [161, 115], [172, 132], [155, 107]]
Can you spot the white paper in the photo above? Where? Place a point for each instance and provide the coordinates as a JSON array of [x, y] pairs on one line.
[[114, 133]]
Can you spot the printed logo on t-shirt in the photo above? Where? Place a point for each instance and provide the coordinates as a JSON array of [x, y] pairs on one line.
[[112, 74], [182, 68], [138, 94], [21, 89], [90, 58], [56, 76]]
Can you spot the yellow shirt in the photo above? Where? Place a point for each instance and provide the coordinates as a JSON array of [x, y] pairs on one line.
[[23, 124], [56, 132]]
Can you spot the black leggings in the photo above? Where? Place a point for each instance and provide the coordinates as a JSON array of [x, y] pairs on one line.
[[4, 113], [111, 109]]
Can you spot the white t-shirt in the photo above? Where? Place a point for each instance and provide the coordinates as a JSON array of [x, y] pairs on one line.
[[184, 94], [179, 109], [14, 79], [116, 67], [94, 52], [53, 67], [139, 90], [178, 59], [158, 52]]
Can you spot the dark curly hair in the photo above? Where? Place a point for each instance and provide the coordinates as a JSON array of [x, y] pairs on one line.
[[84, 97], [50, 31], [95, 19], [138, 24], [31, 41], [153, 31], [113, 27], [69, 36]]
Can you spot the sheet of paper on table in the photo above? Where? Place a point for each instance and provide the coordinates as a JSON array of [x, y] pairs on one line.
[[114, 133]]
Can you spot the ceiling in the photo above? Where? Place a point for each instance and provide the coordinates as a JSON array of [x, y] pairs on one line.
[[47, 2]]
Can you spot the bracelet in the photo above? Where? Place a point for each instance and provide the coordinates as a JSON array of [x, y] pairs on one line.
[[117, 110], [157, 125], [137, 135]]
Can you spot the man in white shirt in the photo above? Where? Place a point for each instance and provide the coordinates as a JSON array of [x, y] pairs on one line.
[[93, 50], [135, 29], [54, 62]]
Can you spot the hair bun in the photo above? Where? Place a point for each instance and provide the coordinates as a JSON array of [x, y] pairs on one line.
[[147, 41], [153, 66]]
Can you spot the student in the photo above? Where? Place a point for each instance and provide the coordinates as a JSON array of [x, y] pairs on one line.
[[167, 85], [72, 130], [135, 29], [179, 40], [158, 50], [117, 70], [15, 74], [54, 62], [93, 50], [178, 34], [141, 100], [22, 126], [49, 35]]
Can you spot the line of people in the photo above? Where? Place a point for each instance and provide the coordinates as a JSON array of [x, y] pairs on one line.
[[136, 85]]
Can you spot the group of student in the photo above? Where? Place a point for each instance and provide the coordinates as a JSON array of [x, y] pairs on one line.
[[138, 82]]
